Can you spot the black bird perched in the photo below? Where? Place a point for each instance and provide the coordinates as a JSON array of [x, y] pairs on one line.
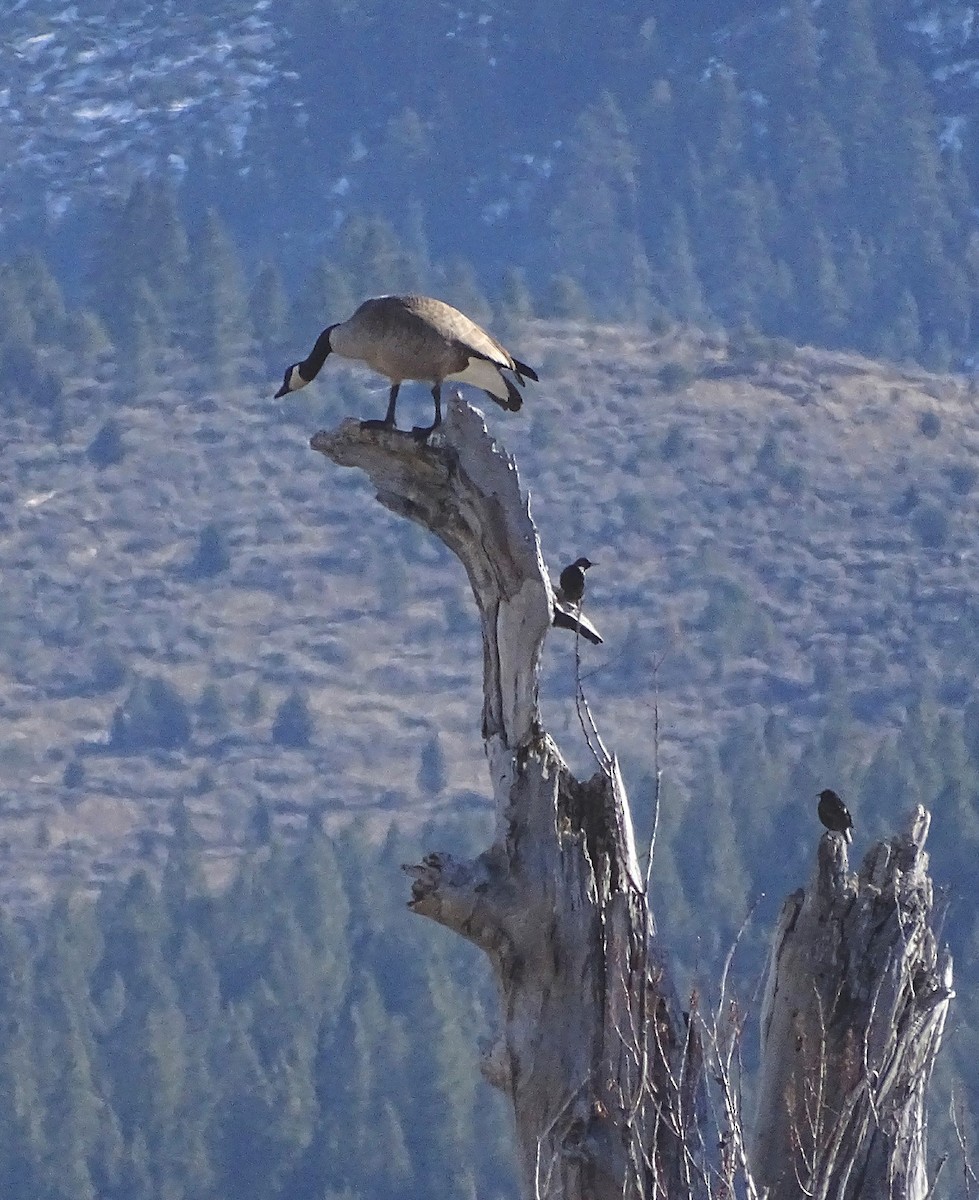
[[573, 580], [834, 814], [567, 612]]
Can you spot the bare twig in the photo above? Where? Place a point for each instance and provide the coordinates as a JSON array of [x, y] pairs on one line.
[[657, 775], [588, 727]]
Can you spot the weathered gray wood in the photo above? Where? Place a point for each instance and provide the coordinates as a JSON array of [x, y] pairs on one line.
[[857, 995], [607, 1077], [593, 1052]]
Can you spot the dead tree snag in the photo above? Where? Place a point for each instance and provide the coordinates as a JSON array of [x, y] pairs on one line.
[[610, 1080]]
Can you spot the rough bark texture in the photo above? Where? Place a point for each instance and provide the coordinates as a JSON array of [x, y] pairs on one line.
[[858, 991], [594, 1052], [605, 1073]]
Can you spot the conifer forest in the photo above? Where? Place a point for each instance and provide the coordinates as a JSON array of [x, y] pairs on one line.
[[739, 243]]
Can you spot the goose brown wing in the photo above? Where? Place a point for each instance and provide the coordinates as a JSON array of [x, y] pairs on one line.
[[468, 338]]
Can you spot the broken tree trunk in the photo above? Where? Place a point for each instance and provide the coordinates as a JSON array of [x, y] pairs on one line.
[[608, 1078], [857, 995]]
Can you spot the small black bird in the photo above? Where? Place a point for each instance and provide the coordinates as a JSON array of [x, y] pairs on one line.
[[567, 612], [834, 814], [573, 580]]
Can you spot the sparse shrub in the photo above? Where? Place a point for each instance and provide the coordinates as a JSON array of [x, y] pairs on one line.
[[293, 725], [432, 776], [961, 477], [675, 376], [793, 479], [205, 782], [659, 321], [108, 671], [909, 499], [750, 348], [212, 713], [768, 460], [771, 464], [930, 524], [930, 424], [780, 349], [153, 716], [747, 348], [107, 448], [21, 368], [260, 822], [74, 775], [212, 555], [673, 443], [254, 703]]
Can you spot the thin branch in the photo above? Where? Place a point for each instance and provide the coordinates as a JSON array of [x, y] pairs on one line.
[[969, 1176], [656, 770], [589, 729]]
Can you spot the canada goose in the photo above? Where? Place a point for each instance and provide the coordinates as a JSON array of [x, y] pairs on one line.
[[416, 337], [573, 580], [834, 814]]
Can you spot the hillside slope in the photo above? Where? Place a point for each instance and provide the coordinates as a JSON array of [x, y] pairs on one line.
[[774, 528]]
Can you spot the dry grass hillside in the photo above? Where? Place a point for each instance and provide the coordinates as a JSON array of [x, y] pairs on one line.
[[771, 525]]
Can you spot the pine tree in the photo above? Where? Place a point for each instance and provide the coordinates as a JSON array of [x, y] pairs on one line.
[[211, 715], [144, 244], [293, 724], [182, 885], [142, 334], [86, 338], [153, 715], [432, 776], [268, 313], [260, 823], [243, 1112], [746, 271], [43, 297], [854, 82], [718, 124], [516, 302], [223, 331], [16, 323], [827, 296], [795, 60], [885, 787], [376, 260], [677, 285], [462, 290], [22, 1143], [107, 448], [902, 340], [322, 908], [326, 296], [212, 555], [596, 221]]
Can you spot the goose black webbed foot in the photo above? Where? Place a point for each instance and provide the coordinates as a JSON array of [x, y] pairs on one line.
[[377, 423], [421, 433]]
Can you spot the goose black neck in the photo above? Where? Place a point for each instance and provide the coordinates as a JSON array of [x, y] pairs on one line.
[[310, 366]]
